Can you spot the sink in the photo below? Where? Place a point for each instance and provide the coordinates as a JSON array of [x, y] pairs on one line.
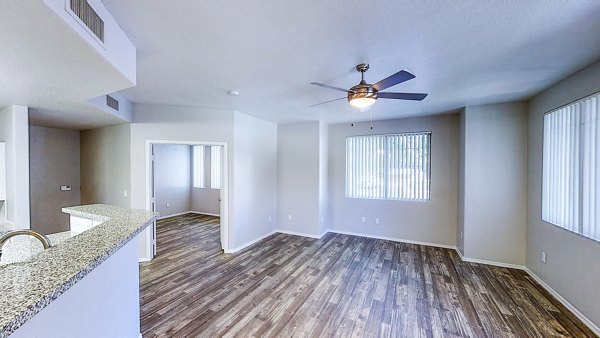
[[24, 248]]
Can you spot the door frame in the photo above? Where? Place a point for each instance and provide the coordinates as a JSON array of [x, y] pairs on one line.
[[224, 210]]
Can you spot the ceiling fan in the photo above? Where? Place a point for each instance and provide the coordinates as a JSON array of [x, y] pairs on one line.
[[364, 95]]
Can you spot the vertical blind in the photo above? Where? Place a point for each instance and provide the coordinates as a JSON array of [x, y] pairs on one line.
[[198, 166], [571, 167], [215, 167], [395, 167]]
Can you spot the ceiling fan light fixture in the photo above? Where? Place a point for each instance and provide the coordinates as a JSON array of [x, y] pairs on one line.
[[362, 102]]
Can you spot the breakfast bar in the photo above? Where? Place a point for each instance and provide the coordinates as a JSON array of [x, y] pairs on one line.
[[90, 281]]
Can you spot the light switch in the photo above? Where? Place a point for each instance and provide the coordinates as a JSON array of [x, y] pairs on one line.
[[65, 188]]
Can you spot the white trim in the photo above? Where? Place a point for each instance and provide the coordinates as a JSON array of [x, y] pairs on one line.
[[140, 335], [173, 215], [144, 259], [303, 234], [188, 212], [243, 246], [553, 292], [494, 263], [224, 186], [445, 246], [204, 213], [565, 302]]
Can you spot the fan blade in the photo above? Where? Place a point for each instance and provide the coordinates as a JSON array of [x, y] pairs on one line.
[[341, 98], [330, 87], [393, 80], [402, 96]]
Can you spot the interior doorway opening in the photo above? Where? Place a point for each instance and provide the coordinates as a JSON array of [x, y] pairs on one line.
[[186, 177]]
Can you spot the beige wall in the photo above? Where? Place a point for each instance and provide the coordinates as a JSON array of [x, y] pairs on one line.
[[433, 221], [572, 267], [105, 165], [494, 182], [53, 161]]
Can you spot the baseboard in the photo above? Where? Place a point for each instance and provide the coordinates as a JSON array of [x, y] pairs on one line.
[[295, 233], [494, 263], [204, 213], [241, 247], [553, 292], [188, 212], [445, 246], [591, 325], [144, 259]]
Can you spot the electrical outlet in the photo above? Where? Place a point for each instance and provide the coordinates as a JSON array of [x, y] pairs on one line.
[[124, 193], [168, 205], [376, 220], [364, 219], [270, 219], [544, 257], [289, 217], [461, 235]]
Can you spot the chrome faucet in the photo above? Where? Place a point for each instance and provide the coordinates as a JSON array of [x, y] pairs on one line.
[[45, 240]]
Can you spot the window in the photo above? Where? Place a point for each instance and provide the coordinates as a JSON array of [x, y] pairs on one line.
[[215, 167], [571, 167], [393, 167], [198, 167]]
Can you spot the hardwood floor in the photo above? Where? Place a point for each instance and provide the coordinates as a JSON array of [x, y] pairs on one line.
[[340, 285]]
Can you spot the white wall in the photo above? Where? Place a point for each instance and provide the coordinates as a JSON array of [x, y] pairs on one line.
[[460, 244], [430, 222], [255, 179], [14, 131], [298, 177], [252, 158], [117, 48], [572, 266], [105, 165], [105, 303], [172, 178], [495, 182], [53, 161], [177, 123]]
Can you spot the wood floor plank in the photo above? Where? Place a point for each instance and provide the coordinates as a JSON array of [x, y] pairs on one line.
[[337, 286]]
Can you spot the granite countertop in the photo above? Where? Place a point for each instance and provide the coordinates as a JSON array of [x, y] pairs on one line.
[[23, 248], [27, 287]]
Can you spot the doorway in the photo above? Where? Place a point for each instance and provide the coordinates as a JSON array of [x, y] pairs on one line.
[[208, 170]]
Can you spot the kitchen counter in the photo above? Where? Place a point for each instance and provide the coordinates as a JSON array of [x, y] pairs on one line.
[[23, 248], [28, 287]]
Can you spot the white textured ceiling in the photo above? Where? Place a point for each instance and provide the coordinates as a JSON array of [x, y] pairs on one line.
[[462, 52], [46, 65]]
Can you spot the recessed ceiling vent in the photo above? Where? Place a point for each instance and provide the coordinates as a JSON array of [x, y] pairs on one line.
[[112, 102], [89, 17]]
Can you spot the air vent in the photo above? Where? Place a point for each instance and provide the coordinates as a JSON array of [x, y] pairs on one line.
[[89, 17], [112, 102]]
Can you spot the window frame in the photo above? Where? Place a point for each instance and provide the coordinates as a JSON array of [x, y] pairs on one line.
[[542, 178], [220, 165], [195, 174], [429, 133]]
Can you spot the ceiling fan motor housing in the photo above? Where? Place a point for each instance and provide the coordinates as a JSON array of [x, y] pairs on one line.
[[363, 90]]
